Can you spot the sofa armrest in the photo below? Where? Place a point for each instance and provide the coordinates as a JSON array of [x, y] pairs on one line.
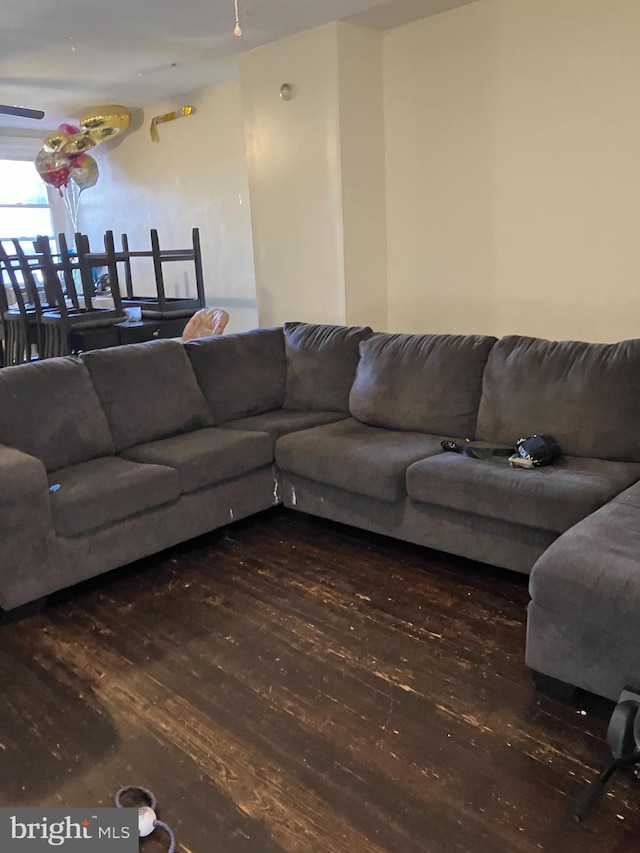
[[29, 544]]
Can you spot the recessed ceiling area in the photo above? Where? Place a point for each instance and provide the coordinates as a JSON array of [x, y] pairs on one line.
[[396, 14], [63, 55]]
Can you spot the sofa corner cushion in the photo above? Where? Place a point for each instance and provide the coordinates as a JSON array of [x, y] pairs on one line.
[[50, 410], [283, 421], [355, 457], [425, 383], [207, 456], [321, 365], [586, 395], [240, 375], [591, 571], [148, 391], [552, 498], [104, 491]]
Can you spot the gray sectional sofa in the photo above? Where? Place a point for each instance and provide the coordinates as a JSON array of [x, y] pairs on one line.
[[120, 453]]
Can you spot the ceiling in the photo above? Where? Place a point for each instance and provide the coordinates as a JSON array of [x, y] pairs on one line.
[[64, 55]]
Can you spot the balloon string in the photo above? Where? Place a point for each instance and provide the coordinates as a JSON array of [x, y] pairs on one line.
[[71, 199], [238, 29]]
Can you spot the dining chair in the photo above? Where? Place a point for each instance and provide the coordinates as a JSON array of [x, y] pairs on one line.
[[70, 327], [4, 307], [22, 330], [160, 306]]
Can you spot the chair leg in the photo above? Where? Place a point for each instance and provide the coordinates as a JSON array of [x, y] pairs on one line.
[[157, 265], [197, 259], [8, 345], [25, 351], [46, 350]]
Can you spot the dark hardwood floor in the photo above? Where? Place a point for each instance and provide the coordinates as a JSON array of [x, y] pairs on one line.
[[292, 685]]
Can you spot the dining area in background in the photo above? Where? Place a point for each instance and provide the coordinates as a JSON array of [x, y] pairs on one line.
[[57, 300]]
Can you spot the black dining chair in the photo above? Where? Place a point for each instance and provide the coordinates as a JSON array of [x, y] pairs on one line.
[[22, 332], [88, 260], [4, 308], [160, 306], [71, 327]]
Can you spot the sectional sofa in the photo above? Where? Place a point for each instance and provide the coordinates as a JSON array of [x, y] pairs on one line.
[[120, 453]]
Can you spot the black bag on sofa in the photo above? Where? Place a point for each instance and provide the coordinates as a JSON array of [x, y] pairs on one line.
[[535, 451], [530, 452]]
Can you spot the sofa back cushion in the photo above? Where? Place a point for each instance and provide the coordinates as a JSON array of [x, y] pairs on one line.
[[422, 383], [587, 396], [148, 391], [50, 410], [321, 365], [240, 375]]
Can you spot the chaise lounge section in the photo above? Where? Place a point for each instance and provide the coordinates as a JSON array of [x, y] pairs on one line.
[[584, 617]]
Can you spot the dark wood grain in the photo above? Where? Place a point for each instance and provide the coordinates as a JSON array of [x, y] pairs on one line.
[[288, 684]]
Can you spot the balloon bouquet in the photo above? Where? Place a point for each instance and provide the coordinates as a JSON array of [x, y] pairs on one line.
[[63, 162]]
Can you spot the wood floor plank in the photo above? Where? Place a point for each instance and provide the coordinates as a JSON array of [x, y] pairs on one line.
[[290, 686]]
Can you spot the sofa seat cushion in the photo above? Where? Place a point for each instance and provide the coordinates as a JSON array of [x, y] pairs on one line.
[[551, 498], [321, 365], [148, 391], [206, 456], [283, 421], [591, 572], [103, 491], [355, 457], [424, 383]]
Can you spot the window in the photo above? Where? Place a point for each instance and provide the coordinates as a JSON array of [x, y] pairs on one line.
[[25, 211]]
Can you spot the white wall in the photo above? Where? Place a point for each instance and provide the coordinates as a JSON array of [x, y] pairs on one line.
[[316, 176], [362, 164], [294, 177], [195, 176], [512, 140]]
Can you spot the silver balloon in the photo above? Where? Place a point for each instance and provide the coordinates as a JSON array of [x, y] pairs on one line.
[[85, 174]]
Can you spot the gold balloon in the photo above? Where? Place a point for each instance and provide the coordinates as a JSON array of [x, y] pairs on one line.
[[78, 143], [55, 142], [46, 161], [101, 123]]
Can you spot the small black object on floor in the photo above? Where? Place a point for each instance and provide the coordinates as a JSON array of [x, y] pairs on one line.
[[623, 736]]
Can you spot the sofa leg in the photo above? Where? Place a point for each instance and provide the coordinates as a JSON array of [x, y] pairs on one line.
[[554, 688], [17, 614]]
